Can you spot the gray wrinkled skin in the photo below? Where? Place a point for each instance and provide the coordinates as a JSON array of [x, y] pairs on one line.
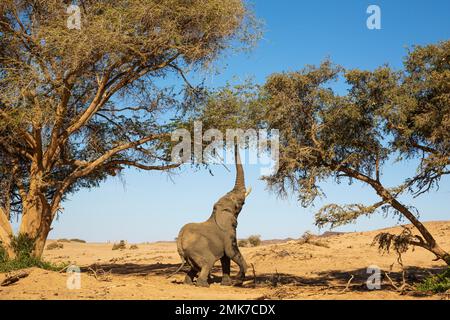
[[202, 244]]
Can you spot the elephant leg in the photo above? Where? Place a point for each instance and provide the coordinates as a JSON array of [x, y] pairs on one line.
[[202, 280], [226, 280], [240, 261], [189, 279], [232, 250]]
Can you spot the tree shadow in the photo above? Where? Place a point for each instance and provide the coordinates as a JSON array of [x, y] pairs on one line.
[[133, 269], [353, 280]]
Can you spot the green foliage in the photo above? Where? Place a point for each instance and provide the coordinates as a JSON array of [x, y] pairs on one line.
[[101, 86], [254, 240], [3, 254], [399, 243], [231, 107], [385, 115], [322, 132], [338, 215], [437, 284], [23, 263], [23, 247]]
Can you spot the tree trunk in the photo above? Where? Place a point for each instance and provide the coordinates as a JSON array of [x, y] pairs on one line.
[[5, 234], [430, 242], [36, 223]]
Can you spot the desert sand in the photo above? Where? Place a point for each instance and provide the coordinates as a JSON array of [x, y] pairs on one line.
[[286, 270]]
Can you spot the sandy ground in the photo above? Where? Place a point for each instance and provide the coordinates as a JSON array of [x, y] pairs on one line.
[[288, 270]]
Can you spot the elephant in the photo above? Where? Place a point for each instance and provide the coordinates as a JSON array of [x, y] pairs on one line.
[[202, 244]]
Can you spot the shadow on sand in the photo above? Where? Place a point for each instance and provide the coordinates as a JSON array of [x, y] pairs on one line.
[[330, 279]]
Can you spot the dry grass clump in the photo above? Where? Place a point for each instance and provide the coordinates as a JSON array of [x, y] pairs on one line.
[[54, 245], [243, 243], [310, 238], [252, 241], [119, 246]]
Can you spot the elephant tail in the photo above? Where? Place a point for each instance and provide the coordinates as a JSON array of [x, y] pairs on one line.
[[178, 270], [181, 253]]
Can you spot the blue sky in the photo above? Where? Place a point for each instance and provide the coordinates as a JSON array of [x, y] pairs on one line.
[[150, 206]]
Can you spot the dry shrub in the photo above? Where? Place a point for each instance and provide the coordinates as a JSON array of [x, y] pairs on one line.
[[310, 238], [119, 246], [134, 247], [306, 237], [254, 240], [243, 243], [55, 245]]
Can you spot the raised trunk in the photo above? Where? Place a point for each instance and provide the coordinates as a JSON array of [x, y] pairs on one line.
[[240, 182], [5, 234]]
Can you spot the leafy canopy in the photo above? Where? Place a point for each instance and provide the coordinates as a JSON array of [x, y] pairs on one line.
[[77, 106]]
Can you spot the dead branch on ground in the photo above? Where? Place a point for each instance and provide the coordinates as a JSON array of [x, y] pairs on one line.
[[13, 278]]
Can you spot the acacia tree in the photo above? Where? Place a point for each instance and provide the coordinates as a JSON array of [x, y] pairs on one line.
[[77, 106], [386, 115]]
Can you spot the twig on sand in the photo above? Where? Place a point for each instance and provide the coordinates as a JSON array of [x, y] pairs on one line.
[[391, 281], [402, 288], [13, 278], [348, 284], [102, 276], [64, 269]]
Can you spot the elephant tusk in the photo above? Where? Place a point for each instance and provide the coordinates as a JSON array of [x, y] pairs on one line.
[[248, 191]]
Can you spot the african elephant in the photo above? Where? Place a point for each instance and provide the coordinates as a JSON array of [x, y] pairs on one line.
[[202, 244]]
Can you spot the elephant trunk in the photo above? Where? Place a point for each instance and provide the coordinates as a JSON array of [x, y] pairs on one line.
[[240, 182]]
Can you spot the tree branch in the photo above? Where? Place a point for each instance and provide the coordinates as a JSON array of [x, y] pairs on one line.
[[88, 167], [386, 196], [28, 137], [142, 166]]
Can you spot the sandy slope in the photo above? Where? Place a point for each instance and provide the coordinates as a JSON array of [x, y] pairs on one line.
[[283, 271]]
